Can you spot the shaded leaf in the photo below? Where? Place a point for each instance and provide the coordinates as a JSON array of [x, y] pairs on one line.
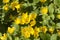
[[53, 37], [51, 8]]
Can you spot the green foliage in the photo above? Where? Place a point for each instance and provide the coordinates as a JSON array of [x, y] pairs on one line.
[[57, 3], [53, 37], [45, 36]]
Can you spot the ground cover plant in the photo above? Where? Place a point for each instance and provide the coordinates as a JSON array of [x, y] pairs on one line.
[[29, 19]]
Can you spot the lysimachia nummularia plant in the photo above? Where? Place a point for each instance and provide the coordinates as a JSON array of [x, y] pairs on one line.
[[29, 19]]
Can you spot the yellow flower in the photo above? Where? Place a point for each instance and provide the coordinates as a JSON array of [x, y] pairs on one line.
[[32, 23], [22, 21], [27, 35], [36, 32], [44, 10], [31, 30], [51, 30], [58, 16], [17, 21], [44, 29], [5, 7], [4, 37], [24, 15], [43, 1], [25, 32], [58, 31], [24, 18], [27, 20], [32, 16], [37, 29], [6, 1], [11, 30], [14, 5], [17, 6]]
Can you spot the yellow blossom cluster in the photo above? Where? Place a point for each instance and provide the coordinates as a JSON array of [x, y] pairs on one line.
[[6, 7], [25, 19], [27, 31], [6, 1], [4, 37], [11, 30], [13, 5], [44, 10]]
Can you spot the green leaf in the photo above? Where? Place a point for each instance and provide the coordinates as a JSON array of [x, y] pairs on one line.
[[45, 36], [25, 0], [17, 38], [36, 11], [16, 26], [36, 1], [48, 18], [57, 11], [9, 36], [45, 22], [37, 39], [51, 8], [0, 34], [25, 5], [57, 2], [53, 37], [58, 25], [34, 7], [52, 16], [53, 24]]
